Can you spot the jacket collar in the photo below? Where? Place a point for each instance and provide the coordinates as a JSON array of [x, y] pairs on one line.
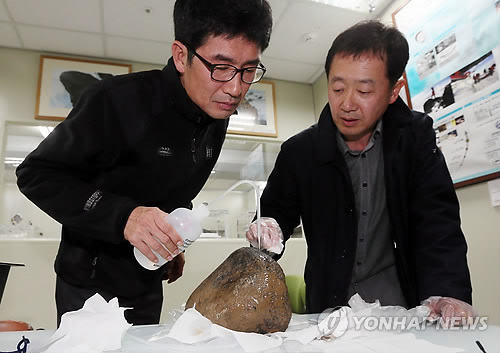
[[327, 142], [397, 116], [176, 95]]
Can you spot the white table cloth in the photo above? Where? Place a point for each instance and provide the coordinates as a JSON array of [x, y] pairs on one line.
[[152, 338]]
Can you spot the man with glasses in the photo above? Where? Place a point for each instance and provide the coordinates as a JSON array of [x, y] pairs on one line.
[[137, 146]]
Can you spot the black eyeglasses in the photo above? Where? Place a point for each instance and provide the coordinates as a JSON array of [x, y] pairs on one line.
[[226, 72]]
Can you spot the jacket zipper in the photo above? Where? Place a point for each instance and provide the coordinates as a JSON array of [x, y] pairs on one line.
[[94, 265], [193, 148], [193, 140]]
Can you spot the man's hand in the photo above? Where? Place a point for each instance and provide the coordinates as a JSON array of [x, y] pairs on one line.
[[453, 312], [271, 236], [174, 268], [147, 230]]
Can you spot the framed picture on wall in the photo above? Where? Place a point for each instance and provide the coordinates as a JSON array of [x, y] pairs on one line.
[[256, 113], [62, 80]]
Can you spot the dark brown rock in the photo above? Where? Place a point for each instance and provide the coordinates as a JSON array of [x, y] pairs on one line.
[[247, 292]]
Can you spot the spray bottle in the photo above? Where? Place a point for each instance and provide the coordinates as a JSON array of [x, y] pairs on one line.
[[187, 223]]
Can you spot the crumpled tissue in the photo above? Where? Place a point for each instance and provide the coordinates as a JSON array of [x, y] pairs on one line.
[[360, 308], [192, 327], [98, 327], [332, 330]]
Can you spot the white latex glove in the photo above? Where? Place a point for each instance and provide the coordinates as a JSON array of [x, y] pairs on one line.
[[453, 312], [271, 236]]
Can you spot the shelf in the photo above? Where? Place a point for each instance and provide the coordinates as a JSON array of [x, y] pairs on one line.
[[243, 159]]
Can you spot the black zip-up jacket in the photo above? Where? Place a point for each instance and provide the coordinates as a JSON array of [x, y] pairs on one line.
[[131, 140], [311, 181]]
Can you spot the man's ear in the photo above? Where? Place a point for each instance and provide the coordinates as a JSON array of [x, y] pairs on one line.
[[180, 56], [395, 90]]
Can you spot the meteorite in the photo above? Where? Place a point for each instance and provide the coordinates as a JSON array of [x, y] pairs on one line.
[[247, 293]]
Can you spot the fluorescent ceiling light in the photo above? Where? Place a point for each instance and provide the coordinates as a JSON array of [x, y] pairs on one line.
[[366, 6], [13, 161], [45, 130]]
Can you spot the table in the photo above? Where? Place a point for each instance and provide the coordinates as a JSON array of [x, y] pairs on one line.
[[140, 339]]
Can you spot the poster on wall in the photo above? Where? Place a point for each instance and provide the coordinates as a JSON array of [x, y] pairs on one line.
[[452, 75]]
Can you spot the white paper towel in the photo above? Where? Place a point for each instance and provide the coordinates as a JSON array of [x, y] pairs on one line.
[[192, 327], [98, 327]]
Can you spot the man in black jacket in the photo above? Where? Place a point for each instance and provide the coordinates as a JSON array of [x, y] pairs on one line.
[[137, 146], [378, 206]]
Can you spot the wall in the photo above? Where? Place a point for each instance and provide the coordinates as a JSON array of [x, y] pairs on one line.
[[320, 92], [18, 88], [19, 77], [480, 221], [481, 225]]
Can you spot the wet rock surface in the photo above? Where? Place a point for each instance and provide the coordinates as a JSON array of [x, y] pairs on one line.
[[247, 293]]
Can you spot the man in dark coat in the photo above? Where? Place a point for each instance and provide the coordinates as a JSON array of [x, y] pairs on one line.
[[377, 204], [138, 146]]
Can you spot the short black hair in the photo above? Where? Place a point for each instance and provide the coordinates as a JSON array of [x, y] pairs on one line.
[[372, 37], [196, 20]]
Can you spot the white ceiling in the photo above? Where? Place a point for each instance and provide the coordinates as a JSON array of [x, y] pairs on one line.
[[142, 31]]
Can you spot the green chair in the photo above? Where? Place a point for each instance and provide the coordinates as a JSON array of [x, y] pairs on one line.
[[296, 293]]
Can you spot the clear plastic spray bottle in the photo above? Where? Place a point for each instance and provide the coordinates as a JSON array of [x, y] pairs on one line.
[[187, 223]]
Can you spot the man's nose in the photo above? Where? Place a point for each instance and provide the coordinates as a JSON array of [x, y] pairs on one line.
[[233, 87], [348, 101]]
